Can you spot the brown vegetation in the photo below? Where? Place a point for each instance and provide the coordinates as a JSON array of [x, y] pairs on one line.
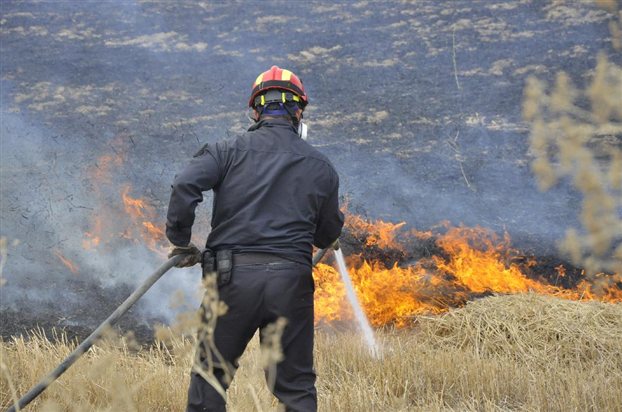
[[519, 352], [583, 142]]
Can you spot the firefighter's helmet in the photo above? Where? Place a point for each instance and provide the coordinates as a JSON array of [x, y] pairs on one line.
[[278, 85]]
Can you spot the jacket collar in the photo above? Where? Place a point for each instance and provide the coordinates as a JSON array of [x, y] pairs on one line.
[[272, 123]]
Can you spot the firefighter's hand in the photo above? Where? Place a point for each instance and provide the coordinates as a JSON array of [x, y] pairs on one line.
[[192, 255], [335, 245]]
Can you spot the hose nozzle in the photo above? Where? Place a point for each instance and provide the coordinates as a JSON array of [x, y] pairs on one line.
[[336, 245]]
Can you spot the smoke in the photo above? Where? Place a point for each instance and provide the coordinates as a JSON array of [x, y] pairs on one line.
[[53, 204], [477, 187]]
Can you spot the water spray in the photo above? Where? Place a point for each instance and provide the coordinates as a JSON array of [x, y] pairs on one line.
[[360, 316]]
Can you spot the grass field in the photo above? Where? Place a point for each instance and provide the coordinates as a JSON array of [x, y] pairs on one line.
[[518, 352]]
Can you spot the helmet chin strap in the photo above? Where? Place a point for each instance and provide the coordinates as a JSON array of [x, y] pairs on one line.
[[250, 115]]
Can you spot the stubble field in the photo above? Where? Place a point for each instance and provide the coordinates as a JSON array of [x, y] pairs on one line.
[[520, 352]]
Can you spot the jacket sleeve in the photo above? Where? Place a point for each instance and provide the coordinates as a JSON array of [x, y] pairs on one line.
[[202, 174], [330, 219]]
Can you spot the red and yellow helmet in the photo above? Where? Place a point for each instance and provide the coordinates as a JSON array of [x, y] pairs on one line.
[[281, 79]]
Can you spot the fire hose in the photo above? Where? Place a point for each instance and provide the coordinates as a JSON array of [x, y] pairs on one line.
[[101, 329]]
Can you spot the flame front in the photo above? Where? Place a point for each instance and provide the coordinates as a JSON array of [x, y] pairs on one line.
[[479, 261], [472, 262], [380, 234]]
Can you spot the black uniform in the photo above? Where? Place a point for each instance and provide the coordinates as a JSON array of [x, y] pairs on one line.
[[274, 197]]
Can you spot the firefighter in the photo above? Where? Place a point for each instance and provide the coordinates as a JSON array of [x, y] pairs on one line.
[[274, 197]]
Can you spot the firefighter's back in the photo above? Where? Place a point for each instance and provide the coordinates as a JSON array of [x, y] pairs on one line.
[[270, 193]]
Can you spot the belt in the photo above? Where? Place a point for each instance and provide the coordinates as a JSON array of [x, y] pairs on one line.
[[257, 258]]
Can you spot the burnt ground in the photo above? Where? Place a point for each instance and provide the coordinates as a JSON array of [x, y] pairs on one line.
[[78, 315], [417, 104]]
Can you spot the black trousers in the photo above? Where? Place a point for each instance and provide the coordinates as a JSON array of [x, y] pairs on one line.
[[257, 295]]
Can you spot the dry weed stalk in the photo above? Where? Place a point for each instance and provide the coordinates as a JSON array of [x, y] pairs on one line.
[[271, 349], [205, 351], [570, 140], [615, 25], [6, 374], [4, 254]]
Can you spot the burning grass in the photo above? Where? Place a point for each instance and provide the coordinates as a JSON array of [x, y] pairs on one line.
[[399, 274], [524, 352]]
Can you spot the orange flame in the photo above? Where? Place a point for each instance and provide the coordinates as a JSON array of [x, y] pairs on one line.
[[154, 231], [473, 261], [380, 234], [479, 260], [142, 215], [68, 263], [92, 239], [100, 176], [388, 296], [134, 207], [110, 224]]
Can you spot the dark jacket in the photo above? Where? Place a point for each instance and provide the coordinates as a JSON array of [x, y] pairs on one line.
[[273, 193]]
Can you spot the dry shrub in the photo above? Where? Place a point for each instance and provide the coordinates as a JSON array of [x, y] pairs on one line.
[[576, 134], [522, 352]]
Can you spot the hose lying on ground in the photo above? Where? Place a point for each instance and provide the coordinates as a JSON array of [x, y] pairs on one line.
[[97, 333]]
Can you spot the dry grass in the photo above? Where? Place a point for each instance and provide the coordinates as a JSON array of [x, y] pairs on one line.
[[522, 352]]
